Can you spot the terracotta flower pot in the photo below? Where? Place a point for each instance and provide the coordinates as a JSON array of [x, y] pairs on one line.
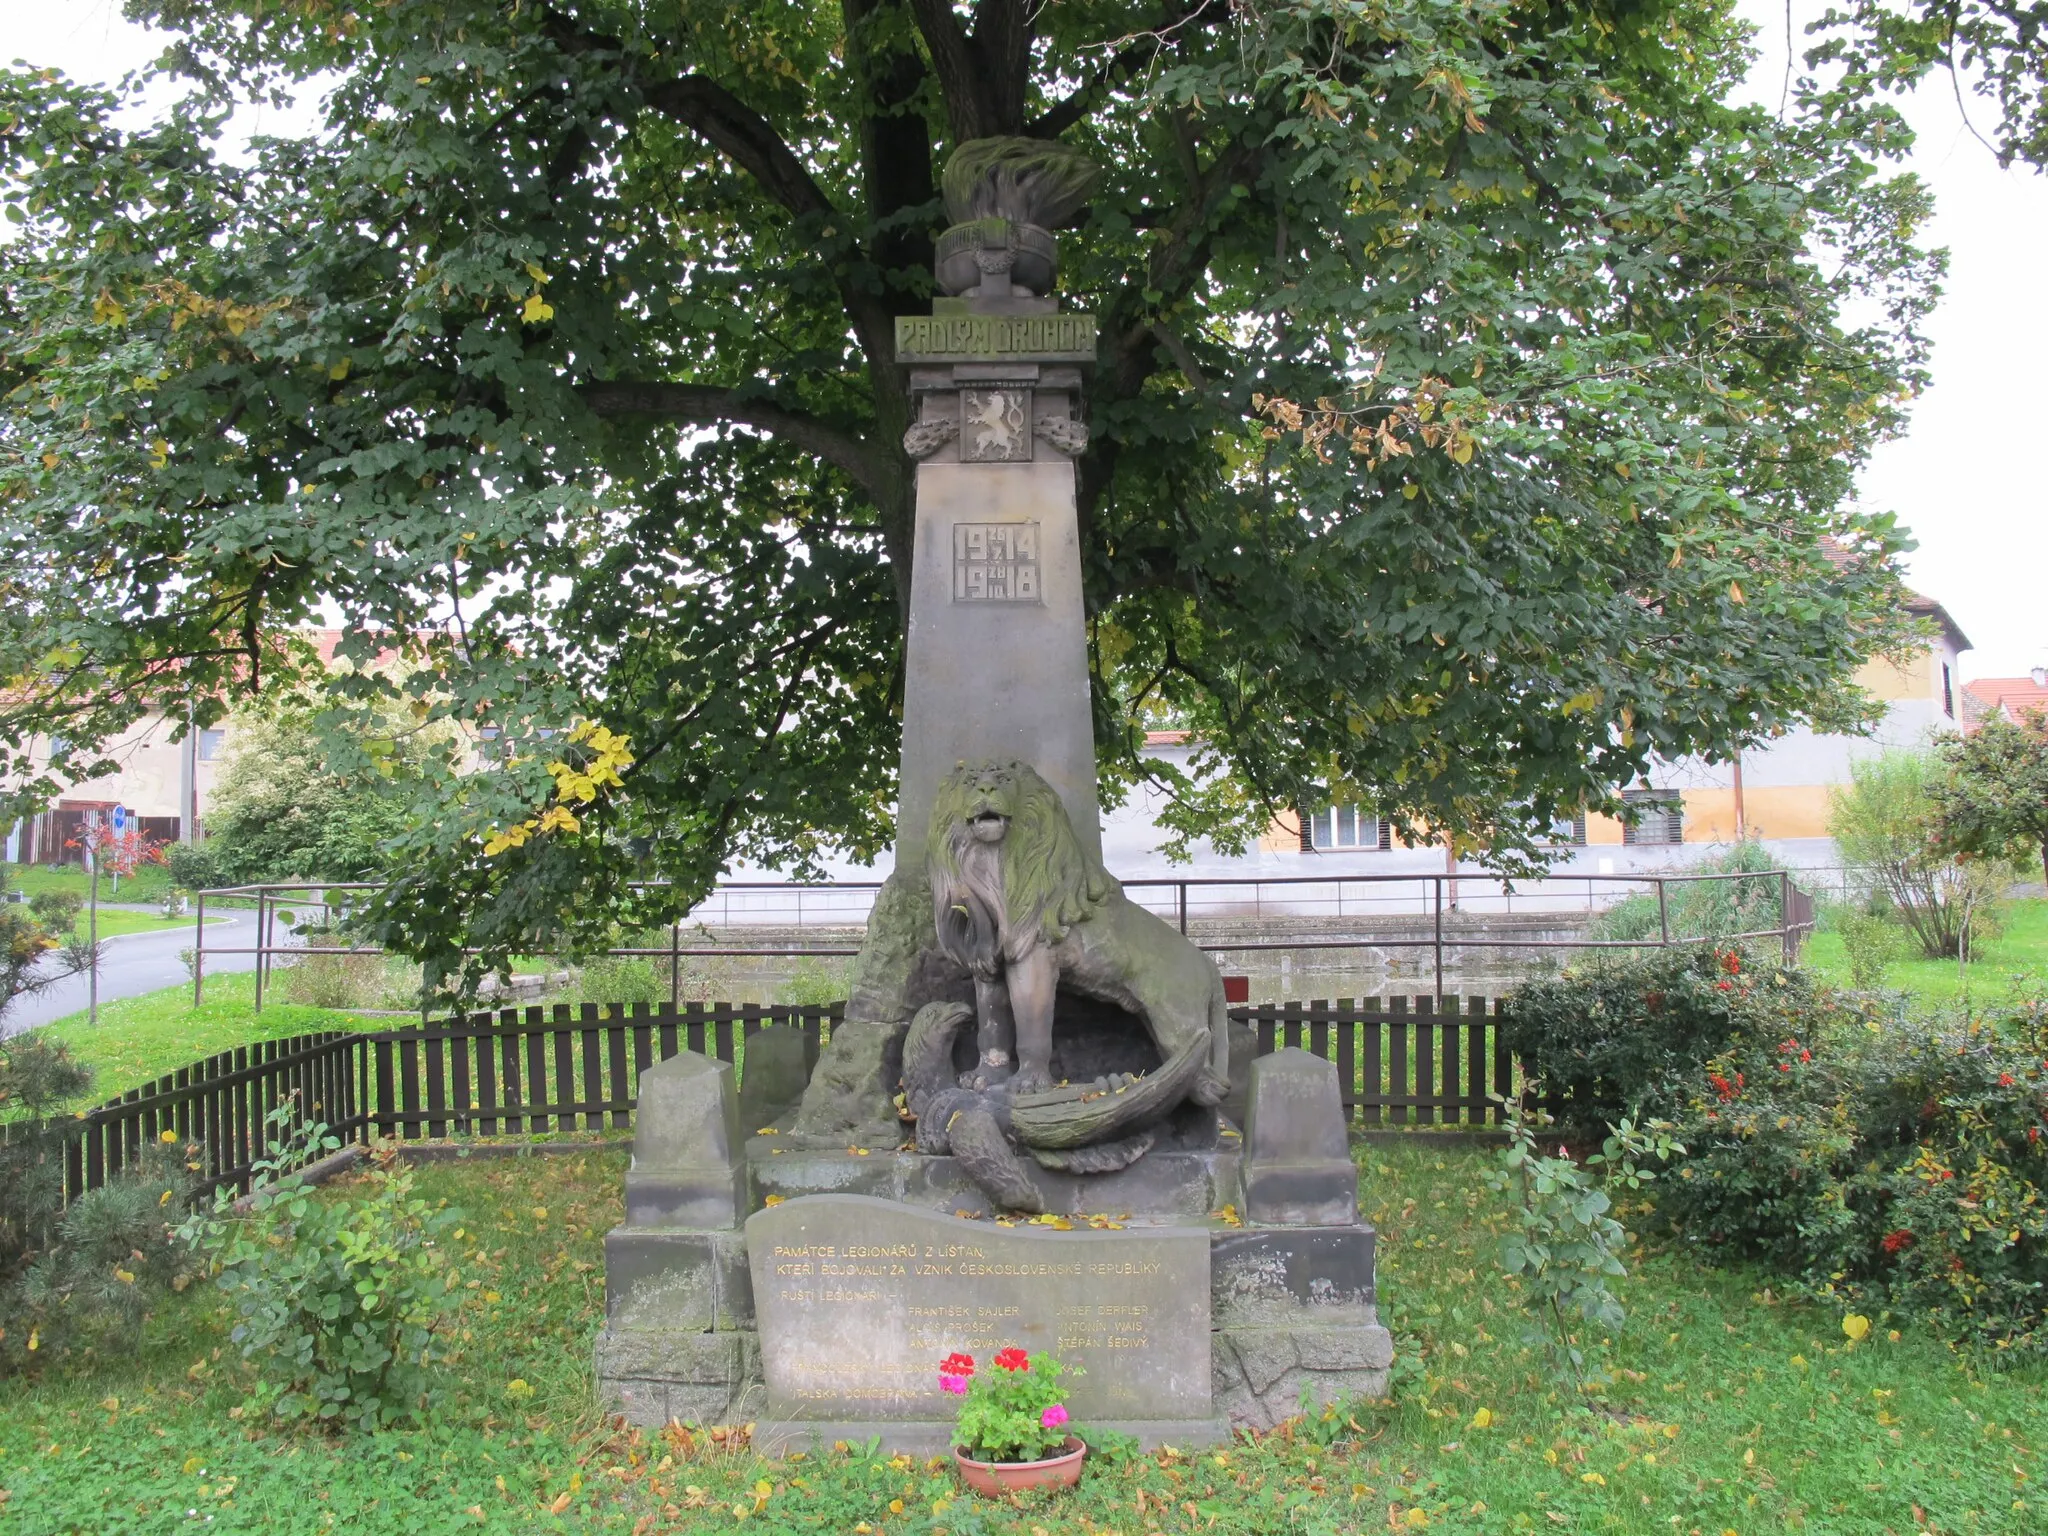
[[993, 1479]]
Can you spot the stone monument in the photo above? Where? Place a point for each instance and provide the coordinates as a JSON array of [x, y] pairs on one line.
[[1014, 1136]]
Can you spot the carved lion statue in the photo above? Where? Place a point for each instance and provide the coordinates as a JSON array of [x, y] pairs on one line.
[[1017, 902]]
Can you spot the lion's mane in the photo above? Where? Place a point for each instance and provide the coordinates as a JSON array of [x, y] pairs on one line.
[[994, 903]]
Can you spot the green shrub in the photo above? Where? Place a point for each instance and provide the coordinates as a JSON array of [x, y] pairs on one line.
[[623, 979], [333, 981], [342, 1296], [1904, 1163], [86, 1273], [193, 866], [1566, 1246], [1623, 1037], [1702, 909], [1871, 942]]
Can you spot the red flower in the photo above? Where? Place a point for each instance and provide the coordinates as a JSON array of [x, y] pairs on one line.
[[1722, 1086], [2005, 1079], [1723, 986], [1732, 963], [957, 1364], [1013, 1359], [1894, 1241]]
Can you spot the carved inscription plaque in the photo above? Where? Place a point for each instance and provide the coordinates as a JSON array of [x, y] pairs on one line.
[[1068, 337], [996, 563], [859, 1300]]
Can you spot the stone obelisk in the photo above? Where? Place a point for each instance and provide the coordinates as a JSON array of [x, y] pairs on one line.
[[996, 662]]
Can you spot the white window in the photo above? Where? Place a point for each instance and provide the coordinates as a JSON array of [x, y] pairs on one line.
[[209, 745], [1347, 826]]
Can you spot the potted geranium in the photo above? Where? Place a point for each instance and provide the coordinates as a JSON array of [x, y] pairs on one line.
[[1012, 1430]]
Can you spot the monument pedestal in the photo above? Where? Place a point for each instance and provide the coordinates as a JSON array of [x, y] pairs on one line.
[[811, 1282], [823, 1316]]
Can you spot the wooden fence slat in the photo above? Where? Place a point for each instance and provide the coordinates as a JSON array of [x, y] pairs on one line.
[[1503, 1065], [619, 1093], [693, 1027], [1397, 1060], [537, 1096], [1475, 1061], [593, 1073], [1347, 1057], [1372, 1066], [437, 1086], [459, 1088], [1425, 1059]]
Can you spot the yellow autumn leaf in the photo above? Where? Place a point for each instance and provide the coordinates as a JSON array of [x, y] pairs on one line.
[[559, 818], [169, 1138], [1411, 491], [51, 461], [536, 310], [772, 1200], [895, 1506], [1856, 1327], [159, 454], [561, 1503], [1461, 450], [533, 271], [1416, 1519], [1594, 1478], [1749, 1458], [339, 371], [1483, 1419], [763, 1488], [1735, 592]]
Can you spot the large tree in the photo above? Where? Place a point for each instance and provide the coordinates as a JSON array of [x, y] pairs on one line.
[[1477, 394]]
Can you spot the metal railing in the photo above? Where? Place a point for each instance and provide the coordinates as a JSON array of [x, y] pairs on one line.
[[1439, 912]]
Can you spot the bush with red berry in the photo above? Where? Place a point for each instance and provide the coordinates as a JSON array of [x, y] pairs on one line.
[[1901, 1162], [1625, 1037]]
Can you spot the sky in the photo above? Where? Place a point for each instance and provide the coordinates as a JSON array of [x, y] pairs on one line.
[[1965, 479]]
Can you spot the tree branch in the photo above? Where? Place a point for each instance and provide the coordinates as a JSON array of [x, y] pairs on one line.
[[743, 135], [1137, 51], [707, 404], [953, 61]]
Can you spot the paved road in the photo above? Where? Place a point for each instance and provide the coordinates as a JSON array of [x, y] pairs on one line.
[[135, 963]]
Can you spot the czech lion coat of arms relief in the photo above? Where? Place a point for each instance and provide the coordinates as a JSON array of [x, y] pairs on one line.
[[995, 425]]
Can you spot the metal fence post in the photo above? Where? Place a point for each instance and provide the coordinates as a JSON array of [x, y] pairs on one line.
[[1663, 914], [262, 911], [199, 952], [675, 965], [1439, 882], [1785, 916], [1182, 888]]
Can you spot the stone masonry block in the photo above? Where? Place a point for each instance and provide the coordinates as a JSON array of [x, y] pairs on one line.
[[1266, 1354], [676, 1280]]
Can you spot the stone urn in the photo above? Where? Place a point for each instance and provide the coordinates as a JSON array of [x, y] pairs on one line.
[[995, 1479]]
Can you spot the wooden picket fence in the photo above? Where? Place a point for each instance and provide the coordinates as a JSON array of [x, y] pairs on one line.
[[561, 1070]]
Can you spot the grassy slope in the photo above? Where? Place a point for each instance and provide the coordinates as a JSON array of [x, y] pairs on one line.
[[1731, 1410], [147, 883], [141, 1038], [2018, 956]]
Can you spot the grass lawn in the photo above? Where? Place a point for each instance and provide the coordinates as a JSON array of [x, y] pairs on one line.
[[2017, 958], [141, 1038], [113, 924], [1728, 1409], [147, 883]]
